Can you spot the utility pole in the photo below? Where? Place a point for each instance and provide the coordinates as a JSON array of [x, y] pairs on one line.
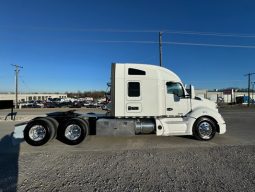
[[160, 49], [17, 69], [253, 83], [249, 85]]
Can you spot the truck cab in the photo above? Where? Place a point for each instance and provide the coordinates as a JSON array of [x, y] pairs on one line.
[[153, 92]]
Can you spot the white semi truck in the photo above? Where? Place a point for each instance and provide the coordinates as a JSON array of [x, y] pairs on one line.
[[145, 99]]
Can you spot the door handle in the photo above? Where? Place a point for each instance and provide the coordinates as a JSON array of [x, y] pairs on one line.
[[169, 109]]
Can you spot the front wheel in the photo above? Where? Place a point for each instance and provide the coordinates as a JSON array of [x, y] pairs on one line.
[[204, 129]]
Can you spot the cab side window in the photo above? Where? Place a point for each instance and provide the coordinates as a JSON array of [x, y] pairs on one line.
[[175, 88], [133, 89]]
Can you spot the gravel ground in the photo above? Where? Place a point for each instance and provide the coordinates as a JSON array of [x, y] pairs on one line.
[[229, 168], [139, 163]]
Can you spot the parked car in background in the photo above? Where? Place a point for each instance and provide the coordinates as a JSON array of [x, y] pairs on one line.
[[92, 105], [31, 104], [76, 104], [39, 103], [50, 105]]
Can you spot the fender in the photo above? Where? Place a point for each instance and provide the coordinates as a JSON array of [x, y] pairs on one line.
[[206, 112]]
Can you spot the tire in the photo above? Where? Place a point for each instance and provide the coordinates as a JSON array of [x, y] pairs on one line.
[[55, 124], [44, 127], [204, 129], [74, 131]]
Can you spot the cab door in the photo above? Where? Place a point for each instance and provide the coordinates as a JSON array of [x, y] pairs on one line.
[[177, 103]]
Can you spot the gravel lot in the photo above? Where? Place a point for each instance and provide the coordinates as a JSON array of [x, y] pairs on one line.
[[140, 163]]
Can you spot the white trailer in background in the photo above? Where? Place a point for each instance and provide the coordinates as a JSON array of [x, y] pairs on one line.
[[145, 99]]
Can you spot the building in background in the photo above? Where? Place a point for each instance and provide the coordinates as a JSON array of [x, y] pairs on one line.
[[23, 97], [227, 96]]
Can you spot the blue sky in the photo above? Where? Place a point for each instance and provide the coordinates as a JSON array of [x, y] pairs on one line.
[[61, 43]]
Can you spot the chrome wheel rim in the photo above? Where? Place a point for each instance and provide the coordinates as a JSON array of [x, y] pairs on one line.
[[205, 130], [37, 133], [73, 132]]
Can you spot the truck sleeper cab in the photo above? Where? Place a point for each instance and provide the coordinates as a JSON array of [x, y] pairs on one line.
[[145, 99]]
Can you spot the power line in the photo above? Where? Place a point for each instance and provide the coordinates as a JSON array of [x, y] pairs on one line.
[[166, 42], [173, 43], [114, 30], [85, 29], [211, 34], [211, 45]]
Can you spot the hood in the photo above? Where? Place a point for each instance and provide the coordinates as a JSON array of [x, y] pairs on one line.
[[202, 102]]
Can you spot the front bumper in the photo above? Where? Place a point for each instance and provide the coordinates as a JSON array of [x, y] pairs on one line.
[[222, 128]]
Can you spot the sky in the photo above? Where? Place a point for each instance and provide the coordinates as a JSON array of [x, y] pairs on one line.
[[69, 45]]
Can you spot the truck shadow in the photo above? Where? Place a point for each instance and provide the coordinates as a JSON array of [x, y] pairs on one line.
[[9, 163], [188, 137]]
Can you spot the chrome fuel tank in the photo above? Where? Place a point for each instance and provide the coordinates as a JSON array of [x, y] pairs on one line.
[[144, 126]]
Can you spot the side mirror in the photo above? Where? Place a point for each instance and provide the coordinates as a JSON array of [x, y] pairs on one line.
[[192, 92]]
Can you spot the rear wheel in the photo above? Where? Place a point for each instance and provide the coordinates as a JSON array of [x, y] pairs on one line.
[[204, 129], [74, 131], [39, 131]]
